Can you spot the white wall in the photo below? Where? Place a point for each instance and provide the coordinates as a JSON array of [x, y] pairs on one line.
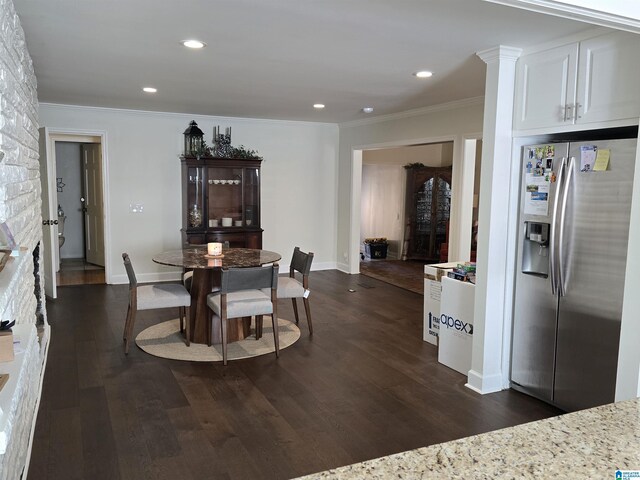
[[298, 181], [431, 155], [452, 122]]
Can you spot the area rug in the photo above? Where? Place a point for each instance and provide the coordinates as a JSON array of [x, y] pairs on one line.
[[165, 340]]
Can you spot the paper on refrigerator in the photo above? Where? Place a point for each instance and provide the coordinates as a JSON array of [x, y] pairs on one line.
[[536, 200]]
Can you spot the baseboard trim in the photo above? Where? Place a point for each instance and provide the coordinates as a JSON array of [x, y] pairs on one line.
[[148, 278], [323, 266], [342, 267], [484, 384], [177, 276]]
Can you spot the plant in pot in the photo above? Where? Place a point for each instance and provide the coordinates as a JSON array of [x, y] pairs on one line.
[[376, 247]]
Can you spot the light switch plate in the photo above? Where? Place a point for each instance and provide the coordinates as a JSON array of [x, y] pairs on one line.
[[136, 207]]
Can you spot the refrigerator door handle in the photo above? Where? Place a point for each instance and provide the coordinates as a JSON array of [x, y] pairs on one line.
[[562, 287], [552, 241]]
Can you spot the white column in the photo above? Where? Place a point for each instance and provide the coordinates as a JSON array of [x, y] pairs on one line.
[[464, 166], [491, 304]]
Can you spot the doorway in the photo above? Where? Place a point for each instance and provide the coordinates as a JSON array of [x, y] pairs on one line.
[[463, 199], [80, 232], [76, 235], [391, 207]]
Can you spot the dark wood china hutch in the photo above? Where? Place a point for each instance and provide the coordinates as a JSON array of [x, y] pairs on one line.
[[221, 201]]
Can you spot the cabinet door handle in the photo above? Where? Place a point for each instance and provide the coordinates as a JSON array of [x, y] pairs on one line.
[[568, 112]]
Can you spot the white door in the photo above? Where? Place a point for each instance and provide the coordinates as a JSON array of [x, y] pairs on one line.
[[545, 85], [49, 247], [93, 209], [604, 93]]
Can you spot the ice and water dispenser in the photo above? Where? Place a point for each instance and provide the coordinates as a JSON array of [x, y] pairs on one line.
[[535, 252]]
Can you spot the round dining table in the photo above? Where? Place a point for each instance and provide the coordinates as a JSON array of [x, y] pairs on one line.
[[206, 276]]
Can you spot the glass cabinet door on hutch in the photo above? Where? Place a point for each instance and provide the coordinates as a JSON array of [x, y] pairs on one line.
[[428, 206], [251, 187], [226, 193], [195, 192]]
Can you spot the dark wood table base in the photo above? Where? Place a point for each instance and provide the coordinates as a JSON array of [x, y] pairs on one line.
[[202, 315], [206, 276]]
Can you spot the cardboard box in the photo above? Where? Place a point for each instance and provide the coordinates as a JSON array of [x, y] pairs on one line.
[[456, 325], [432, 287], [6, 346]]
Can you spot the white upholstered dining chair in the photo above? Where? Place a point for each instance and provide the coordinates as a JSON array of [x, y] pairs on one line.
[[149, 297], [291, 287], [243, 293]]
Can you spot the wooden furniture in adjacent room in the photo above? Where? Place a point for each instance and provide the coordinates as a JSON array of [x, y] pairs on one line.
[[221, 201], [206, 276], [428, 204]]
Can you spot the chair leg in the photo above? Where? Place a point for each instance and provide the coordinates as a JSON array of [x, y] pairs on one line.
[[181, 319], [258, 327], [307, 309], [274, 318], [295, 309], [187, 321], [223, 324], [126, 323], [129, 332]]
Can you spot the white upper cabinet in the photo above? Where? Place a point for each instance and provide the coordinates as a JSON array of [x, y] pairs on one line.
[[609, 78], [591, 82], [545, 85]]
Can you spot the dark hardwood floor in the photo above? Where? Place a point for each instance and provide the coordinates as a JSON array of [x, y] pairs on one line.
[[407, 274], [76, 271], [365, 385]]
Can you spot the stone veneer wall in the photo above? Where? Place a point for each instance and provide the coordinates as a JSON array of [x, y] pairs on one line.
[[20, 208]]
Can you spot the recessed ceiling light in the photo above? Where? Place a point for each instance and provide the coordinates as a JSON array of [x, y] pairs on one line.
[[367, 109], [193, 44], [318, 106], [149, 89], [423, 74]]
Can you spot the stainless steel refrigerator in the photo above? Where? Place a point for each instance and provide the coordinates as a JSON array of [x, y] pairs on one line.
[[572, 248]]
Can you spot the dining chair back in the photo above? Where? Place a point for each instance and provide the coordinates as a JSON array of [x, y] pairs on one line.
[[245, 293], [294, 288], [148, 297]]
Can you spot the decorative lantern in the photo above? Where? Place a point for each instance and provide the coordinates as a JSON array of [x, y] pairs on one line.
[[193, 140]]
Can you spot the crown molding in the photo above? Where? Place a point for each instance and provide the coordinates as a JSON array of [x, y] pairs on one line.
[[500, 52], [467, 102], [575, 12]]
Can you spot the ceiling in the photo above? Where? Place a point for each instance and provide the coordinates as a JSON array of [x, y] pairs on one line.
[[271, 58]]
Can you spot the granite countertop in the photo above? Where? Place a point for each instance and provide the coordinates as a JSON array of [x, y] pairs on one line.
[[587, 444]]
